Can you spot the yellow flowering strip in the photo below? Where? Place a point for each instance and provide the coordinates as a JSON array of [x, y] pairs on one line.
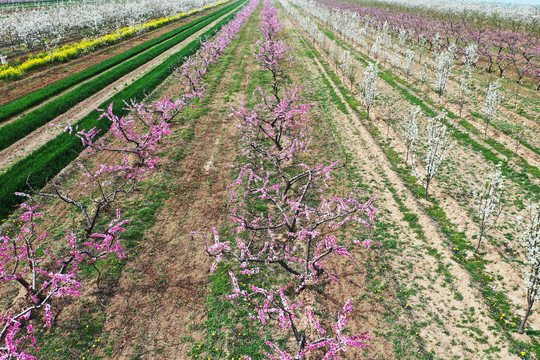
[[73, 51]]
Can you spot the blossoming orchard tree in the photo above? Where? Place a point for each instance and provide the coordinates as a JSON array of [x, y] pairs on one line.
[[410, 132], [438, 146], [470, 55], [493, 98], [410, 61], [294, 236], [349, 68], [445, 64], [49, 272], [489, 203], [464, 89], [530, 239], [424, 75], [368, 86]]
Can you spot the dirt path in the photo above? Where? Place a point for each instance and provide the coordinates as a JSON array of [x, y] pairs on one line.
[[56, 126], [434, 303]]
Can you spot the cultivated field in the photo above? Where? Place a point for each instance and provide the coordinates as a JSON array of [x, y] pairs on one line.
[[258, 179]]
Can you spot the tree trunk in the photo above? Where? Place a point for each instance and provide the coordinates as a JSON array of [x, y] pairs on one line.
[[522, 327], [479, 242]]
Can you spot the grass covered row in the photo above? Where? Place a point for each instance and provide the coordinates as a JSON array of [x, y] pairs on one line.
[[37, 97], [44, 163]]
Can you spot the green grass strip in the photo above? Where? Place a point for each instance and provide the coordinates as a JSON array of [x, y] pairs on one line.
[[508, 133], [47, 161], [65, 102]]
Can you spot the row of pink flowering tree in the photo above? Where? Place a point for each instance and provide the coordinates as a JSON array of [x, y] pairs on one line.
[[294, 237], [46, 273]]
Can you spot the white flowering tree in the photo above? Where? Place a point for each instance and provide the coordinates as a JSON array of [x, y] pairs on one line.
[[438, 146], [445, 63], [402, 37], [470, 57], [421, 46], [410, 61], [368, 86], [43, 27], [530, 239], [488, 203], [436, 43], [410, 126], [394, 60], [493, 98], [348, 66], [376, 47], [424, 75], [464, 89], [335, 53]]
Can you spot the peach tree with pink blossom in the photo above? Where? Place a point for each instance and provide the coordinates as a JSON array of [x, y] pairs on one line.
[[286, 217]]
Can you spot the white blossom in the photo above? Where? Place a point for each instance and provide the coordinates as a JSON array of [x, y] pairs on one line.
[[438, 146], [402, 36], [410, 61], [410, 126], [488, 203], [470, 57], [369, 85], [376, 46], [394, 60], [348, 66], [425, 74], [493, 99], [436, 41], [445, 63], [530, 239]]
